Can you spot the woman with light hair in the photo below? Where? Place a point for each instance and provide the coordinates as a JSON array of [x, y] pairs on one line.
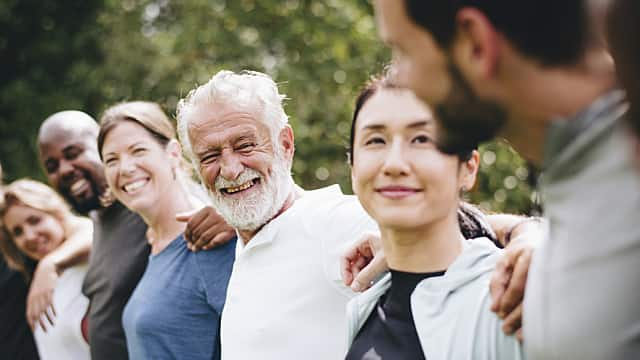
[[35, 220], [175, 310]]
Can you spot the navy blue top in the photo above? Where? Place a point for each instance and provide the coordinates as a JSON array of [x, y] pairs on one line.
[[390, 332], [174, 312]]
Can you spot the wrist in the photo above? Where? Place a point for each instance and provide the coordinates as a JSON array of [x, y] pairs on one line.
[[51, 263]]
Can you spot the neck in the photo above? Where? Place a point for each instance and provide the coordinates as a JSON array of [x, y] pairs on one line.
[[294, 194], [163, 226], [538, 97], [426, 249]]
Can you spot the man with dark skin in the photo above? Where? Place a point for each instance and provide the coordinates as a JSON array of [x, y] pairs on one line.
[[536, 73], [69, 155]]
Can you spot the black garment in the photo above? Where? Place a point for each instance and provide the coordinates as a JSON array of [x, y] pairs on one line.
[[389, 332], [16, 339], [118, 260]]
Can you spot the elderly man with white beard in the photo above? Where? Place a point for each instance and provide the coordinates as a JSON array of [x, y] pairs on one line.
[[286, 298]]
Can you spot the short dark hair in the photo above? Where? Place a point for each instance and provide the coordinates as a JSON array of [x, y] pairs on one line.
[[384, 81], [552, 32]]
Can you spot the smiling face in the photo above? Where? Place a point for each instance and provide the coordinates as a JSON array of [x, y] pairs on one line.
[[70, 158], [246, 170], [34, 232], [400, 177], [139, 170]]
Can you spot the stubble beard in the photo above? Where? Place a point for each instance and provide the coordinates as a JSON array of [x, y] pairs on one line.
[[464, 119]]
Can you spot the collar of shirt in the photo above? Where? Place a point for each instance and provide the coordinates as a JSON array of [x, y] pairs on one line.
[[564, 134]]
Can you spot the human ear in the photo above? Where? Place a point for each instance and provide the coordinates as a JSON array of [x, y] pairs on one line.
[[174, 151], [469, 171], [476, 46], [286, 139]]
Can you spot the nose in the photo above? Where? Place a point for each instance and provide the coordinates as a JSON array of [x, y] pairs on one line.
[[230, 166], [395, 163], [66, 169], [29, 234], [127, 165]]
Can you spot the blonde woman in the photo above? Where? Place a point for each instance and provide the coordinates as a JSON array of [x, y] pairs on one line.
[[35, 220], [175, 310]]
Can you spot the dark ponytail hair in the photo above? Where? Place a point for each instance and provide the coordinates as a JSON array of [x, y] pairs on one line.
[[473, 223]]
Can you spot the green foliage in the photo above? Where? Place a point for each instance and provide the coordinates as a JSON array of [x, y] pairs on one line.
[[100, 52]]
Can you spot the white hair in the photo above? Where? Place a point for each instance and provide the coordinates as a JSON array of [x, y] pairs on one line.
[[247, 90]]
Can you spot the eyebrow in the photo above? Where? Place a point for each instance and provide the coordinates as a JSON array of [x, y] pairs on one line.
[[71, 146], [244, 136], [415, 124]]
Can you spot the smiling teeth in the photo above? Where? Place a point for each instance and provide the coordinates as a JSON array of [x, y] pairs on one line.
[[134, 185], [244, 186], [78, 185]]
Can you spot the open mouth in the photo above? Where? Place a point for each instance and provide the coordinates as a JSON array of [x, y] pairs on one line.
[[242, 187], [134, 185], [79, 187]]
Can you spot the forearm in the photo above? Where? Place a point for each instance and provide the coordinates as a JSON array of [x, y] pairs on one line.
[[75, 249], [508, 227]]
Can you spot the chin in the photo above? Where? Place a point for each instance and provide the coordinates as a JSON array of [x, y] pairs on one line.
[[399, 221], [139, 206]]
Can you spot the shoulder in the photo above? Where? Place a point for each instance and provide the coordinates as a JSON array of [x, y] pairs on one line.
[[219, 258], [329, 209]]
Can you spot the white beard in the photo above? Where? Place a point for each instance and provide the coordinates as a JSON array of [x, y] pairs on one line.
[[261, 205]]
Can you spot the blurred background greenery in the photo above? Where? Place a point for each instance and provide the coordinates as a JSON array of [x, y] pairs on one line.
[[88, 54]]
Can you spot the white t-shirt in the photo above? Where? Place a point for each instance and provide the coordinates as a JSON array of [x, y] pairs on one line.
[[285, 298], [64, 340]]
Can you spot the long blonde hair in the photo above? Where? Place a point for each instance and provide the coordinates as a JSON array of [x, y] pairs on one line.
[[35, 195]]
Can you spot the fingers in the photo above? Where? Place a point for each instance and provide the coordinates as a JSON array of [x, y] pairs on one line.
[[185, 216], [207, 229], [499, 281], [48, 315], [356, 262], [519, 335], [195, 224], [370, 272], [204, 238], [39, 307], [354, 258], [347, 259], [513, 321], [212, 238], [514, 293]]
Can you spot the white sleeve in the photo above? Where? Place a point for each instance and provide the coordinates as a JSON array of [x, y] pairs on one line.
[[346, 223]]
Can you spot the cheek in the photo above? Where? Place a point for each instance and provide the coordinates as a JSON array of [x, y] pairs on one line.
[[53, 229], [209, 174], [111, 177], [365, 168], [443, 176]]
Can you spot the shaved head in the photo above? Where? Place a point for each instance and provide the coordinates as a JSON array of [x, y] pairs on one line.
[[69, 121], [69, 155]]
